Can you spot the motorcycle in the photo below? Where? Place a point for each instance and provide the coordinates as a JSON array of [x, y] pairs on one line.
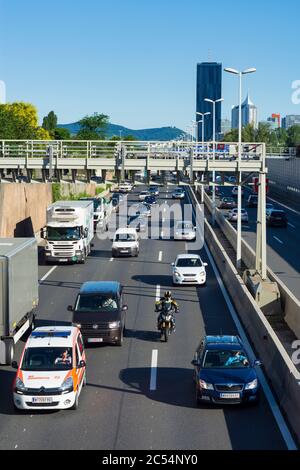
[[166, 323]]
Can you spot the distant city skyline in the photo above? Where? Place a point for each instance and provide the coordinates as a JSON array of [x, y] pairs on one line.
[[136, 61]]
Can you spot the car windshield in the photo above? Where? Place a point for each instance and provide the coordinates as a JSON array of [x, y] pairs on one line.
[[277, 214], [63, 233], [96, 303], [125, 237], [185, 226], [228, 199], [47, 359], [223, 359], [189, 263]]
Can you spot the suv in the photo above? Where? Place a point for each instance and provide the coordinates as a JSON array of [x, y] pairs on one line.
[[125, 187], [223, 372], [100, 311], [227, 203], [52, 369], [276, 218]]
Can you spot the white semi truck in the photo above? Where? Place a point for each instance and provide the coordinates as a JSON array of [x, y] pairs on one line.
[[69, 231], [18, 292]]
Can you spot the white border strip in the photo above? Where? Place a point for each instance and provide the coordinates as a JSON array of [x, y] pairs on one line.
[[288, 439], [48, 274], [153, 370]]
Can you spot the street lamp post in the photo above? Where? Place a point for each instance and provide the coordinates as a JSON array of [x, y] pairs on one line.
[[239, 214], [213, 102], [202, 121]]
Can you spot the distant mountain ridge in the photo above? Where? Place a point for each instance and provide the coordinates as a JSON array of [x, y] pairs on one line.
[[159, 133]]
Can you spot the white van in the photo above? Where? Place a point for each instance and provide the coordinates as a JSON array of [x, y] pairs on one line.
[[125, 242]]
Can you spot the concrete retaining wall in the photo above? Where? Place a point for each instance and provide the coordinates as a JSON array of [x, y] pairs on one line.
[[284, 179], [290, 304], [23, 208], [279, 368]]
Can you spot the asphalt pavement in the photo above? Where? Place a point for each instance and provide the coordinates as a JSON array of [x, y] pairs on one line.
[[126, 404]]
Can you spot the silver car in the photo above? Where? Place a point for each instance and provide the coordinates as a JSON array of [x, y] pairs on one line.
[[233, 215], [184, 230]]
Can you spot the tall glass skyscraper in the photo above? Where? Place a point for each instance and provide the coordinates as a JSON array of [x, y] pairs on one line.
[[209, 85]]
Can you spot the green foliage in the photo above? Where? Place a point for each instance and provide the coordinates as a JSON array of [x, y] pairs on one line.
[[293, 136], [264, 133], [50, 121], [61, 134], [93, 127], [20, 121], [125, 138], [56, 192]]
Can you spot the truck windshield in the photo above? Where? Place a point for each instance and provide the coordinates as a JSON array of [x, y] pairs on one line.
[[63, 233], [47, 359]]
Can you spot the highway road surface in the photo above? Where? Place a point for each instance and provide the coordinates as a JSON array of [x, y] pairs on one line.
[[128, 404]]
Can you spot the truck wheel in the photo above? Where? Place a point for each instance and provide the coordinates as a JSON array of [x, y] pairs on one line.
[[9, 351]]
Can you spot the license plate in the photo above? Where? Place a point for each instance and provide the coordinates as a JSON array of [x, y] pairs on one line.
[[124, 251], [42, 399], [63, 260], [230, 395], [95, 340]]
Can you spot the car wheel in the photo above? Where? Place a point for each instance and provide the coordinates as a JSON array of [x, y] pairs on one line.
[[198, 400]]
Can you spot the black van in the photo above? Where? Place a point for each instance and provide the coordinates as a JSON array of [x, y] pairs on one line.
[[100, 312]]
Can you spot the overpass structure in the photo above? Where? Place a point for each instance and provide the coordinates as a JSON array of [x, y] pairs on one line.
[[129, 156]]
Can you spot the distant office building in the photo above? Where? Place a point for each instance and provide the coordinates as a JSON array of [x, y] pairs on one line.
[[209, 85], [249, 114], [225, 126], [274, 121], [290, 120]]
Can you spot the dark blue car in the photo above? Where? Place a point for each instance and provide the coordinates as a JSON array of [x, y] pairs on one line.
[[150, 200], [223, 372]]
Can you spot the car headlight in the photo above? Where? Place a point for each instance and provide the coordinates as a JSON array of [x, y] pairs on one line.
[[78, 252], [177, 274], [67, 385], [251, 385], [19, 386], [114, 324], [205, 385]]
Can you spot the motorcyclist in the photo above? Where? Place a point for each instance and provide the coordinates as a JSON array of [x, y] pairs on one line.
[[159, 306]]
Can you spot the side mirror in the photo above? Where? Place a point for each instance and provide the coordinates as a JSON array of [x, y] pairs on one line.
[[257, 363], [81, 364], [125, 308], [43, 233], [173, 265], [14, 365], [86, 232], [205, 264], [195, 228], [70, 308]]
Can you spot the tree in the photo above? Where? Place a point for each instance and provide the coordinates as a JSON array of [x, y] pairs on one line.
[[293, 136], [20, 121], [61, 133], [125, 138], [50, 121], [93, 127]]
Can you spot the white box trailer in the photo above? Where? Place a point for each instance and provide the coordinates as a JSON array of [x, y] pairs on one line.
[[69, 231], [18, 291]]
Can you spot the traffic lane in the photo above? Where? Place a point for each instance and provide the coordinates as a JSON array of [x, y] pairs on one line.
[[172, 405]]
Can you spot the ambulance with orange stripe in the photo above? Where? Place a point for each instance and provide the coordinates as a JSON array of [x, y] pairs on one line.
[[52, 370]]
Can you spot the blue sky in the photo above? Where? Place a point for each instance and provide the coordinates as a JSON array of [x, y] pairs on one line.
[[136, 60]]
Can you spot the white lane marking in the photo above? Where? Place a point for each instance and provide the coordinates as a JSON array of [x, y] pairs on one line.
[[288, 439], [111, 259], [165, 209], [283, 205], [47, 274], [160, 256], [162, 234], [291, 225], [153, 370], [278, 240], [157, 293]]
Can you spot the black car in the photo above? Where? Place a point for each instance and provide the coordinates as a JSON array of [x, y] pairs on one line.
[[277, 218], [150, 200], [100, 311], [224, 373], [252, 201]]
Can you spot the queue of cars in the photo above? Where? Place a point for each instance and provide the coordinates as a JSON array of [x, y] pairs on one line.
[[52, 369]]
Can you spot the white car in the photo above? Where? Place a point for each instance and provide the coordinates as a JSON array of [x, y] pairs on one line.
[[233, 215], [125, 187], [234, 191], [189, 269], [184, 230], [143, 195], [52, 371], [125, 242]]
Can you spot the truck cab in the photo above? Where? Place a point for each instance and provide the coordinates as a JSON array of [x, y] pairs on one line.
[[69, 231]]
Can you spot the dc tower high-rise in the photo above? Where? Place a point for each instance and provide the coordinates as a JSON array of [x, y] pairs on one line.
[[209, 85]]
